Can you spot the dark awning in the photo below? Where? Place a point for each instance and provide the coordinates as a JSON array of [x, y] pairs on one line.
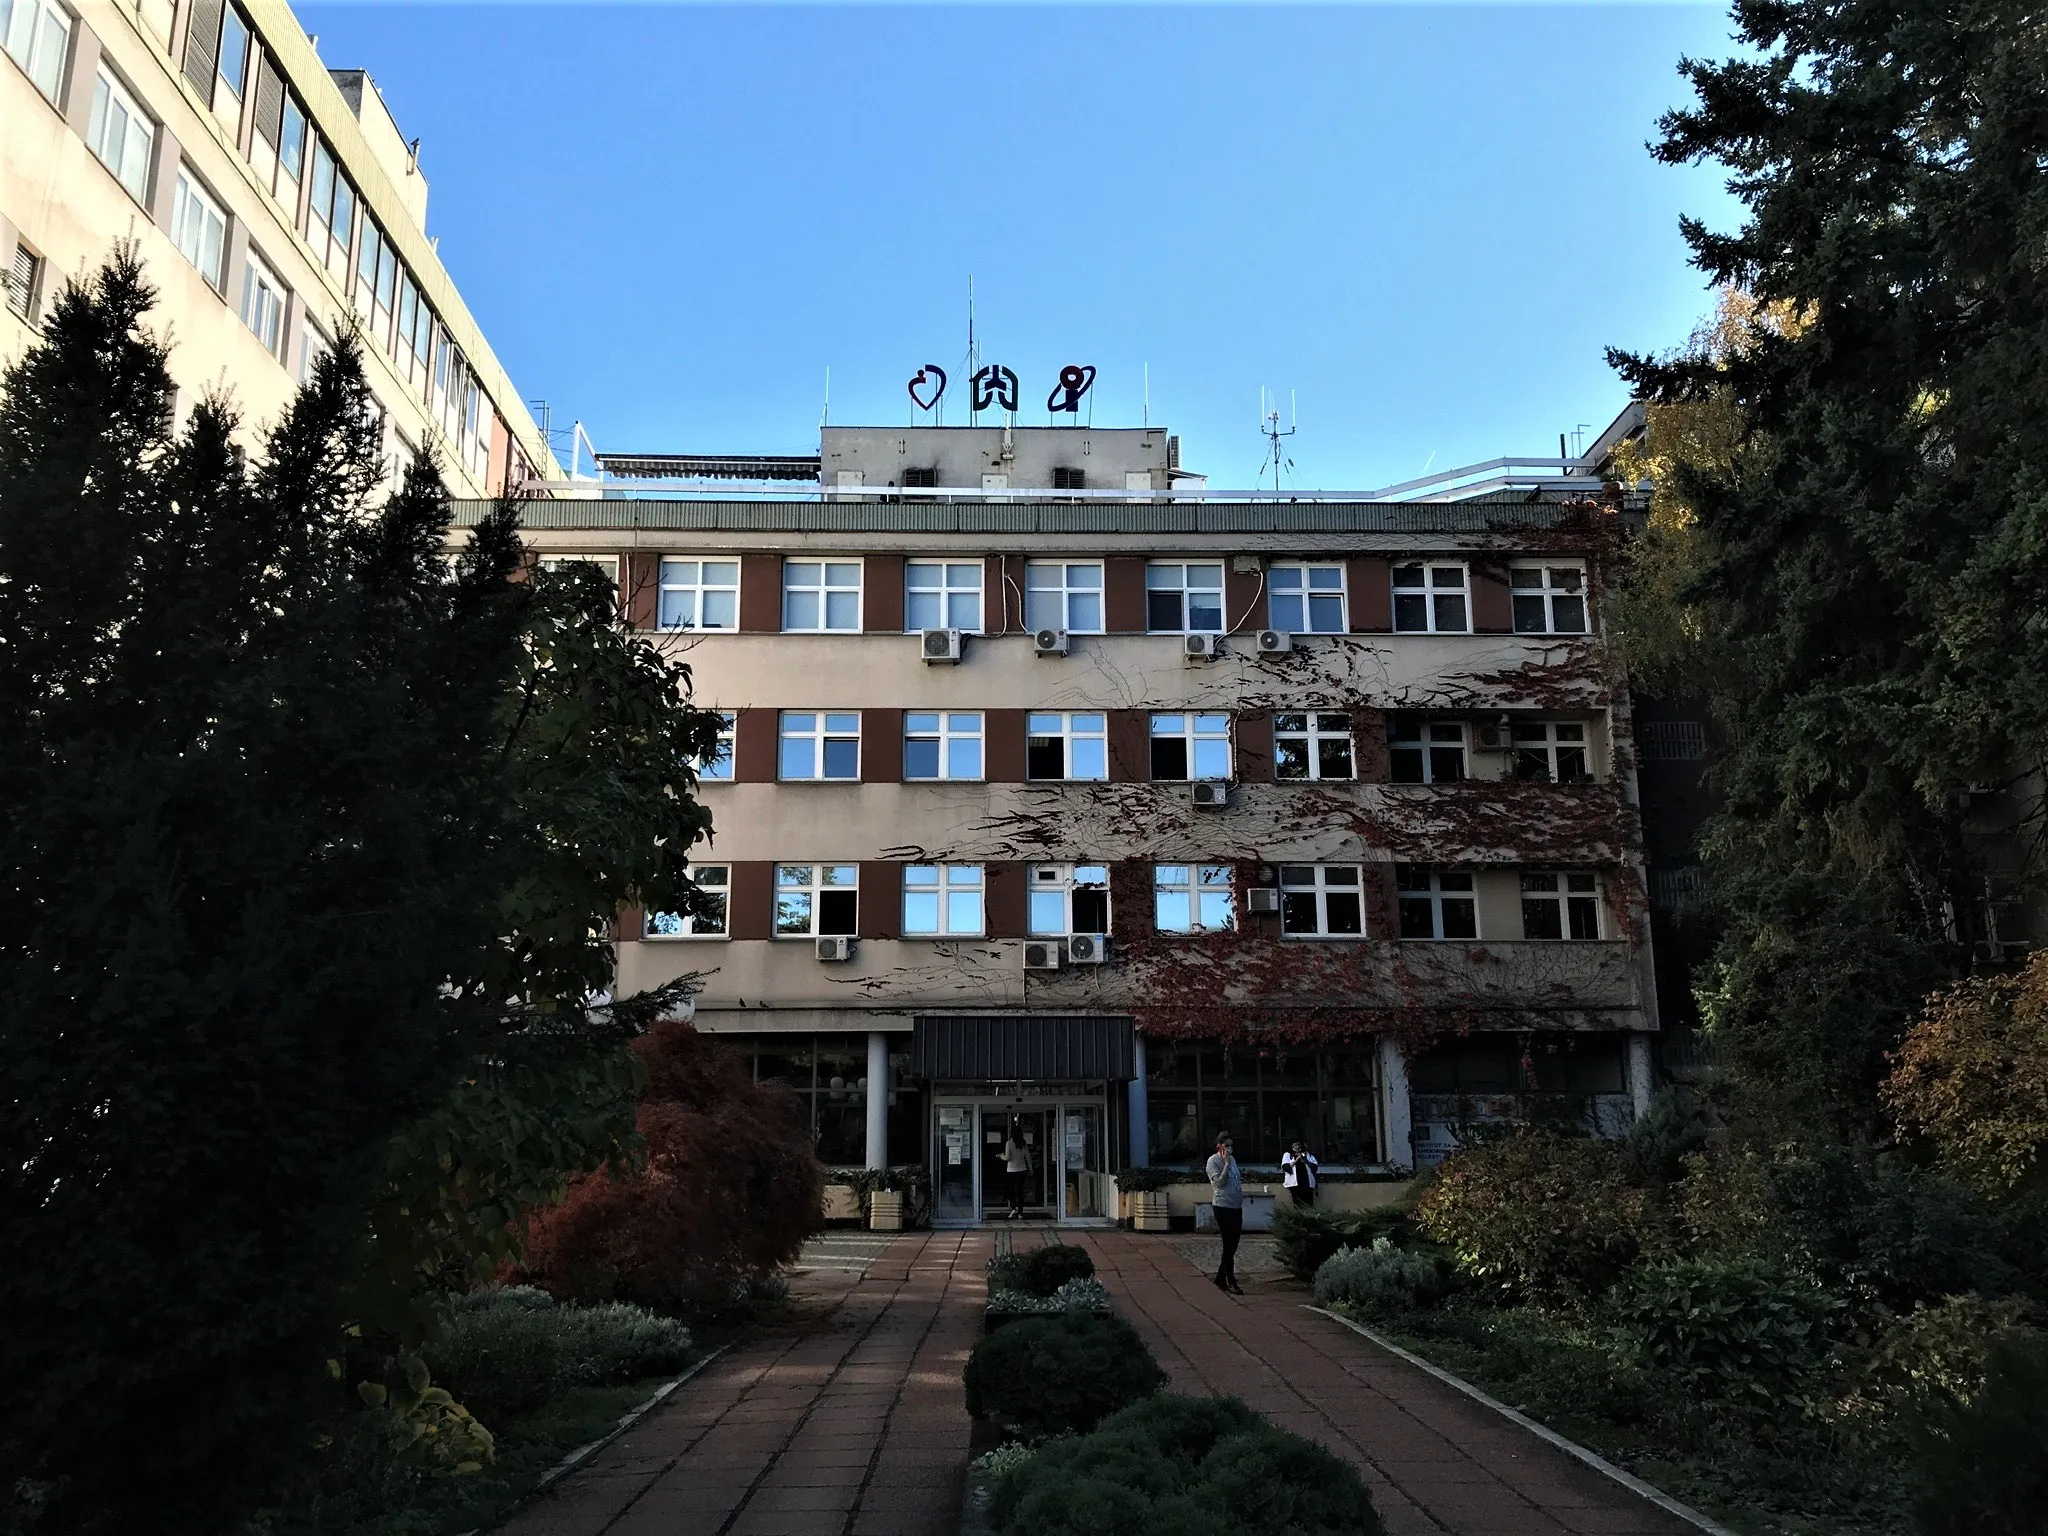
[[1024, 1047]]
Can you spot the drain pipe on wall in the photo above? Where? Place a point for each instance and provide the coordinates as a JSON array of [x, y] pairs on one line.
[[1141, 1138]]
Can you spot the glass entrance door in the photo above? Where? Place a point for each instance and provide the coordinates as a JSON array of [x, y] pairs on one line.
[[1083, 1182], [954, 1161], [1018, 1171]]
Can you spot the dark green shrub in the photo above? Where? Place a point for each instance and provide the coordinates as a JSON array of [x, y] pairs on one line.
[[507, 1351], [1979, 1463], [1040, 1271], [1171, 1465], [1735, 1330], [1304, 1237], [1059, 1375], [1673, 1128], [1381, 1278], [1137, 1181]]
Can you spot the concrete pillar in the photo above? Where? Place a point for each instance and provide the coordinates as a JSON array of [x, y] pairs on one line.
[[1397, 1128], [1642, 1079], [878, 1099], [80, 83], [1141, 1128]]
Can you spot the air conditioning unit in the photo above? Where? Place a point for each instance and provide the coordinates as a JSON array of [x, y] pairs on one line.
[[1087, 949], [1275, 642], [1210, 794], [1041, 955], [838, 947], [1262, 901], [1049, 642], [2005, 952], [1200, 647], [1494, 738], [940, 645]]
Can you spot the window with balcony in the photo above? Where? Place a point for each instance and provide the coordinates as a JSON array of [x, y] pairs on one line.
[[1562, 905], [1066, 899], [1322, 901], [1190, 747], [942, 901], [121, 134], [1313, 745], [1063, 594], [1550, 750], [1192, 898], [699, 594], [816, 900], [942, 745], [1426, 751], [820, 596], [942, 595], [1305, 599], [714, 890], [819, 746], [1548, 599], [1183, 599], [1435, 903], [1429, 598], [1066, 747]]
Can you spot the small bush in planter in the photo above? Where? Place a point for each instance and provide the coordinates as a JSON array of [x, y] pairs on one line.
[[1978, 1462], [508, 1350], [1740, 1331], [1060, 1375], [1074, 1296], [1040, 1271], [1381, 1278], [1176, 1464]]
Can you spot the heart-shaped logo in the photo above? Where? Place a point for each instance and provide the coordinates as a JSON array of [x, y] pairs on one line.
[[931, 380]]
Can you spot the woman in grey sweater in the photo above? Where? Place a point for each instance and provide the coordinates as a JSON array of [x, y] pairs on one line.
[[1226, 1203]]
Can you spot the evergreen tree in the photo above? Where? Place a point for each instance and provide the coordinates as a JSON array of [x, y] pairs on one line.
[[1868, 563], [307, 837]]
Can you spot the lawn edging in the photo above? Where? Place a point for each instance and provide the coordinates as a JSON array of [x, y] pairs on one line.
[[1543, 1432]]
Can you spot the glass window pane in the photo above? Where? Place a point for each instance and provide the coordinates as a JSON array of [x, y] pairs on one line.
[[966, 760], [963, 911], [920, 912]]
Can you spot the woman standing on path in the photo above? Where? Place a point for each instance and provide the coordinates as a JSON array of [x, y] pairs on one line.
[[1226, 1203], [1298, 1172]]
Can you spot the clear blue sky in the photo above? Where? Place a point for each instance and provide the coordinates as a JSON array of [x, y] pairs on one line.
[[1426, 221]]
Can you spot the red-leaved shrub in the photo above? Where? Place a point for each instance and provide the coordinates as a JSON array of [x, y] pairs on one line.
[[730, 1189]]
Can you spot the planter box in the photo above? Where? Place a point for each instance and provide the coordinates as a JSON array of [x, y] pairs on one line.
[[885, 1211], [1151, 1210], [841, 1203]]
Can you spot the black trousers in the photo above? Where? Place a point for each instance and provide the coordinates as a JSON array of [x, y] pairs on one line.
[[1016, 1184], [1230, 1226], [1303, 1195]]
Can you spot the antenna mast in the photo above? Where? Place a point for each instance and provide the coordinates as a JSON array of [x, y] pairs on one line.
[[973, 355], [1270, 429]]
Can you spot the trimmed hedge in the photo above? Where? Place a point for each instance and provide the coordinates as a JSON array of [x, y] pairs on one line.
[[1045, 1376], [1304, 1237], [508, 1350], [1040, 1271], [1381, 1278], [1172, 1465]]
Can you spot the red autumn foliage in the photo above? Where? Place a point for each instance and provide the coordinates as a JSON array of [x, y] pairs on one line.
[[729, 1191]]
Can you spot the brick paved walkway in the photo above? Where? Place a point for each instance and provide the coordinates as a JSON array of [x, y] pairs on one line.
[[849, 1421], [1438, 1463]]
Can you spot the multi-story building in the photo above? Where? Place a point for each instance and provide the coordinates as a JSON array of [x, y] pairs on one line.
[[1115, 813], [272, 202]]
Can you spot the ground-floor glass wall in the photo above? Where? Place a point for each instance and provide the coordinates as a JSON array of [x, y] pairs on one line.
[[829, 1074], [998, 1156], [1266, 1097]]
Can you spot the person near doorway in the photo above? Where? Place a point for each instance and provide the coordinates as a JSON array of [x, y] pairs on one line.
[[1226, 1204], [1298, 1172], [1016, 1169]]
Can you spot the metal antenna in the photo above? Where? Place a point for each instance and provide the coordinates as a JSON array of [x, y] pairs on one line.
[[973, 356], [826, 419], [1270, 429], [1148, 395]]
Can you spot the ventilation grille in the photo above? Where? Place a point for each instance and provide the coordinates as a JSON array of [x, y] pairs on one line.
[[1672, 741]]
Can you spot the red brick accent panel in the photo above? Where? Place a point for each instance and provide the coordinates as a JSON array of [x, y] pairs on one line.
[[881, 598], [1492, 612], [1130, 746], [881, 899], [1005, 745], [1244, 600], [1004, 895], [640, 575], [1002, 594], [1123, 594], [750, 908], [1370, 583], [881, 746], [1255, 747], [1379, 901], [629, 927], [1373, 764], [753, 745], [1130, 901], [761, 593]]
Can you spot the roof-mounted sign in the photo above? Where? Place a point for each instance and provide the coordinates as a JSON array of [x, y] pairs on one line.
[[928, 387], [1076, 379], [995, 385]]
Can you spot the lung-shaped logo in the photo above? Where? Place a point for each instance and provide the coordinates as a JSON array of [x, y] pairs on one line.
[[1076, 379], [928, 387], [995, 384]]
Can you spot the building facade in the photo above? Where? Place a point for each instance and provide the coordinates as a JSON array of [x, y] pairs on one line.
[[1106, 819], [273, 202]]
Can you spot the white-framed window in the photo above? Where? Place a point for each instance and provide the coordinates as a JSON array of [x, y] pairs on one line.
[[714, 884], [198, 228], [1184, 598], [1190, 747], [1426, 751], [942, 744], [1435, 903], [1551, 750], [121, 134], [942, 594], [1560, 905], [234, 53], [1429, 598], [816, 900], [699, 594], [312, 347], [37, 34], [1066, 899], [942, 901], [819, 746], [1548, 599], [820, 595], [1066, 746], [365, 286], [291, 153], [1315, 744], [1305, 599], [1322, 901], [608, 564], [1063, 594], [262, 303], [1192, 898], [718, 768]]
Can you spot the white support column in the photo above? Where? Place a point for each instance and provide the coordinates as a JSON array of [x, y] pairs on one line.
[[1398, 1127], [878, 1099], [1642, 1080], [1140, 1117]]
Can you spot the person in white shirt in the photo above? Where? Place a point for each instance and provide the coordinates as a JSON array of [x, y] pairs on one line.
[[1016, 1170], [1298, 1173]]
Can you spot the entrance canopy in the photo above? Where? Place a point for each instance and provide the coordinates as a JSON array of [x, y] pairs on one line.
[[1024, 1047]]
